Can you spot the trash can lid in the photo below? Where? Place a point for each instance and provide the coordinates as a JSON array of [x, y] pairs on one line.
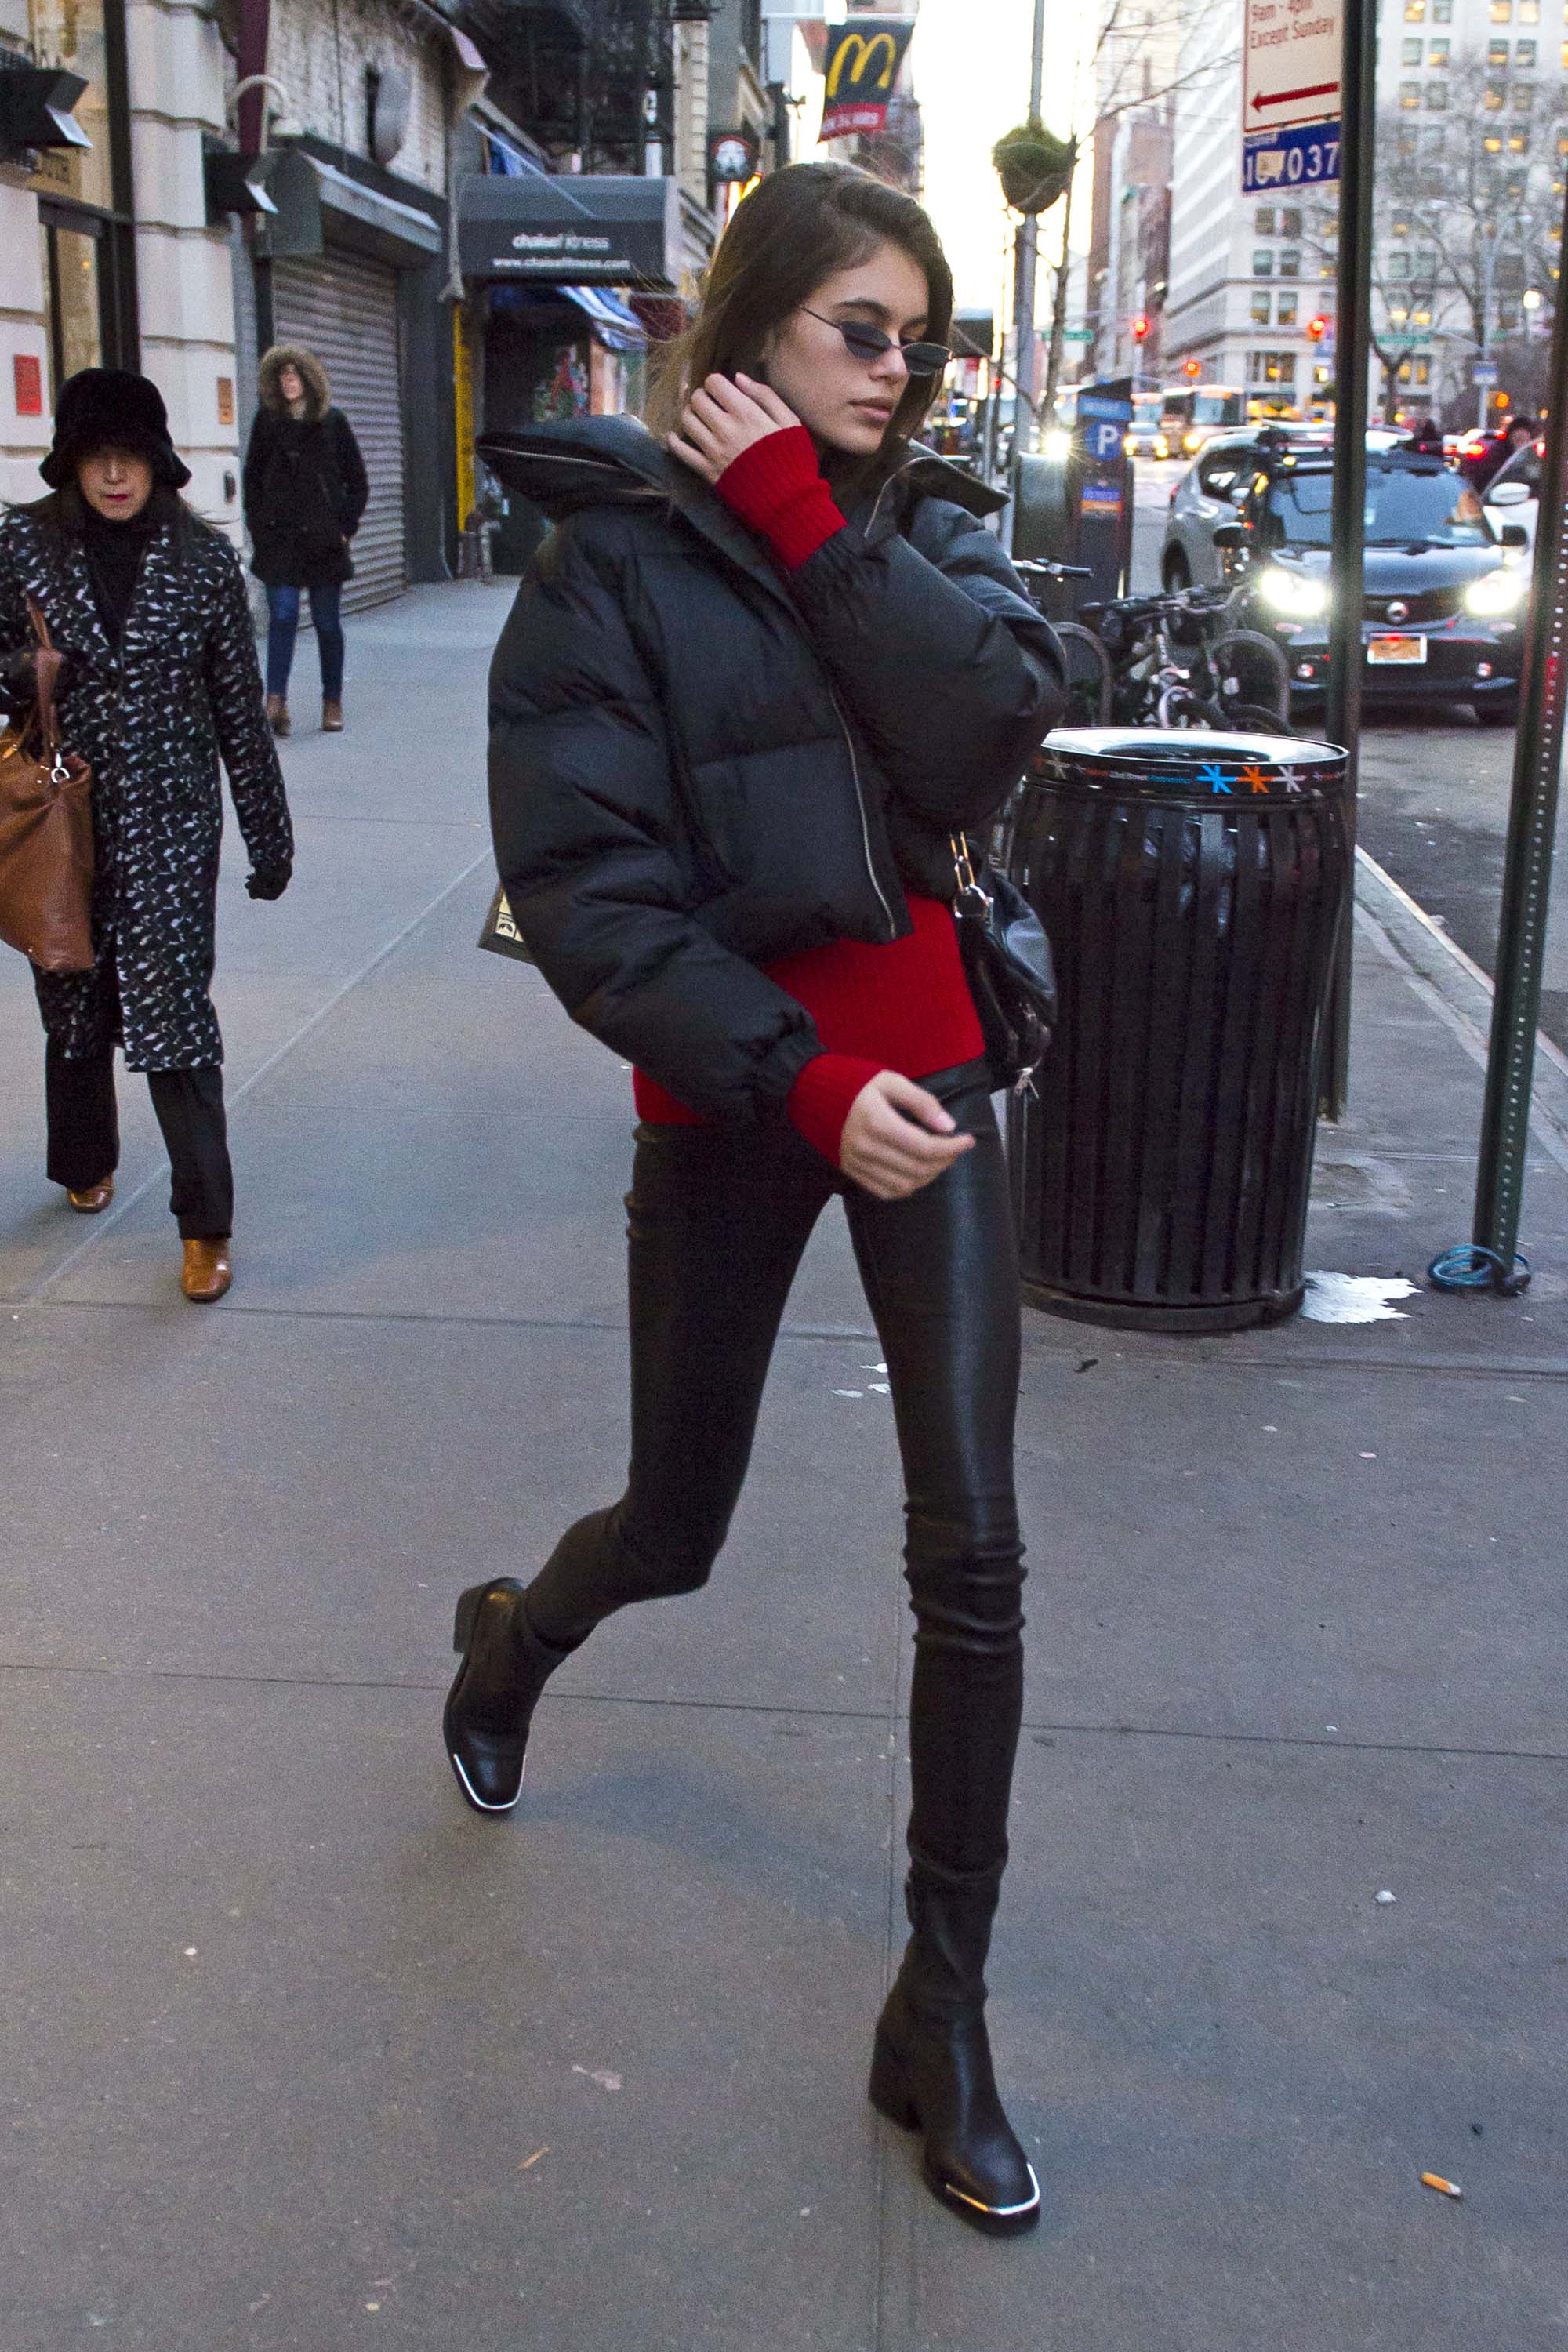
[[1189, 761], [1163, 744]]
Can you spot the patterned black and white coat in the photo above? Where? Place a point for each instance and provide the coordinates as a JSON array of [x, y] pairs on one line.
[[152, 720]]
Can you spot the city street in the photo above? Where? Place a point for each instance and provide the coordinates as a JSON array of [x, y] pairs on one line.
[[1433, 798], [301, 2054]]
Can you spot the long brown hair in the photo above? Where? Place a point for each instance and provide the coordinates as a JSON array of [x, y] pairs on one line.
[[797, 227]]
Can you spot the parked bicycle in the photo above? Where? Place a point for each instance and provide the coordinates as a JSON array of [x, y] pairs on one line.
[[1089, 677], [1180, 661]]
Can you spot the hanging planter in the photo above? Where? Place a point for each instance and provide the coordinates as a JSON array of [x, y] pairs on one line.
[[1035, 166]]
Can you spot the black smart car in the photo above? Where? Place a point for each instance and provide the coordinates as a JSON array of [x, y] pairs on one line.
[[1446, 591]]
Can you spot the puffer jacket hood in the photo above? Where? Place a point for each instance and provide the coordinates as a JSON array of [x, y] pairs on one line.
[[313, 375], [700, 763]]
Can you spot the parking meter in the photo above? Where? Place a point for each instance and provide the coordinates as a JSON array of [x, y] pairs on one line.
[[1077, 507], [1102, 489]]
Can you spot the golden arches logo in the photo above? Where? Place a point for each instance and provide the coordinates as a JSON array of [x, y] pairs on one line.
[[865, 49]]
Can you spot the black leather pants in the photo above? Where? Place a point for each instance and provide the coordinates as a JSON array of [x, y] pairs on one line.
[[717, 1223]]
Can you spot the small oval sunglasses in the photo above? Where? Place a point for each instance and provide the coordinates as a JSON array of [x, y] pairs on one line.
[[870, 342]]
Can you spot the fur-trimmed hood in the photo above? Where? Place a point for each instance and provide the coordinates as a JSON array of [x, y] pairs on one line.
[[313, 375]]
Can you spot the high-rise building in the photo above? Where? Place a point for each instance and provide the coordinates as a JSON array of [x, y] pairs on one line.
[[1471, 144]]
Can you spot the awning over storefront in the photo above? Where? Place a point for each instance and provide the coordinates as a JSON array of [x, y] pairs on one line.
[[316, 203], [570, 228], [612, 323]]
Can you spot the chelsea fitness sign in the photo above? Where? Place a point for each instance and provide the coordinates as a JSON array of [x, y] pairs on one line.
[[861, 65]]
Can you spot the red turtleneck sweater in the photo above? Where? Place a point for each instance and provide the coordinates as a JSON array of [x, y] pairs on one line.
[[903, 1005]]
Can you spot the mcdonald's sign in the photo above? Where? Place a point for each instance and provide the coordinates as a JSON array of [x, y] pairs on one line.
[[862, 62]]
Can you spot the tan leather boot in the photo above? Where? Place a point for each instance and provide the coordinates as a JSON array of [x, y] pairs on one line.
[[207, 1272], [278, 714], [332, 717], [89, 1198]]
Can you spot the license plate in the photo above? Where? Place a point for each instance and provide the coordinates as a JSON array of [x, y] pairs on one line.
[[1396, 649]]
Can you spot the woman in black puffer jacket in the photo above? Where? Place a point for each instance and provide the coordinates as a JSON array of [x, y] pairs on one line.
[[761, 671], [305, 491]]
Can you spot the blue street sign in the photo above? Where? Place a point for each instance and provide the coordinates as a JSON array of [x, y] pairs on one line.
[[1483, 372], [1096, 404], [1306, 156]]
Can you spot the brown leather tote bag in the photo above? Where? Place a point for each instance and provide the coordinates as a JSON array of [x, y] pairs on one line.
[[45, 831]]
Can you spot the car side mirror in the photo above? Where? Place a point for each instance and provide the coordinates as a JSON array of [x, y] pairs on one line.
[[1513, 534], [1232, 536], [1510, 494]]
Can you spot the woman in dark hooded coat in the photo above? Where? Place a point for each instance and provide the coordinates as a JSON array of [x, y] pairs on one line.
[[150, 609], [305, 491]]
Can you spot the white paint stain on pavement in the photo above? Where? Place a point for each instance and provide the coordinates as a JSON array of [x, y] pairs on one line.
[[1355, 1298]]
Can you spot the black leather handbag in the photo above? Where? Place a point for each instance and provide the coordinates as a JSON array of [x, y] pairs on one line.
[[1007, 962]]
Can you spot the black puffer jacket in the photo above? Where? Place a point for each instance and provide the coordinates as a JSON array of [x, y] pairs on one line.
[[697, 766]]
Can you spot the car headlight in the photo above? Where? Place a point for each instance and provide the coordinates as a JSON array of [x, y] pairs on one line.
[[1057, 442], [1191, 443], [1162, 446], [1130, 445], [1497, 592], [1297, 593]]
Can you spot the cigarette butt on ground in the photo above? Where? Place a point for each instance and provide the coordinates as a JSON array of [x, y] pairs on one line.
[[1444, 2188]]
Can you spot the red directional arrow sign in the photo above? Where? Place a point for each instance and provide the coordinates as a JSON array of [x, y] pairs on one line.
[[1292, 97], [1291, 62]]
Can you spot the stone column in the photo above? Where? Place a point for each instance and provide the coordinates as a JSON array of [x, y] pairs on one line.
[[185, 285], [24, 437]]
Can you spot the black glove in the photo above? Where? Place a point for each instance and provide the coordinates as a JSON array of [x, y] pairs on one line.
[[269, 881]]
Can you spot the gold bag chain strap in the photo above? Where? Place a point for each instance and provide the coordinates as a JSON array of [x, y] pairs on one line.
[[965, 877]]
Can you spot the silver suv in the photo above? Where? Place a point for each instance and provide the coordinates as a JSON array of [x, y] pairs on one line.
[[1211, 492]]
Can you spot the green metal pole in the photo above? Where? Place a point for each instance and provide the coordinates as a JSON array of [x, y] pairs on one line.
[[1352, 331], [1531, 828]]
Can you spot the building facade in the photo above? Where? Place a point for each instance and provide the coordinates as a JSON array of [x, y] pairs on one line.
[[1249, 277]]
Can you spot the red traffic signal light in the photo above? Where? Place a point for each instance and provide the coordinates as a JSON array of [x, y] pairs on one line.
[[1317, 328], [1140, 328], [1192, 367]]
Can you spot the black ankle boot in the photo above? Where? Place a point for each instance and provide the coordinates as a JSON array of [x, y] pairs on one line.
[[931, 2066], [490, 1705]]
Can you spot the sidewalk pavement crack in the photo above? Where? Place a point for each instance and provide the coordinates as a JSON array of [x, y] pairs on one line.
[[769, 1708]]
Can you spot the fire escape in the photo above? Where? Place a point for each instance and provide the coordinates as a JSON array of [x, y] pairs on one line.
[[593, 80]]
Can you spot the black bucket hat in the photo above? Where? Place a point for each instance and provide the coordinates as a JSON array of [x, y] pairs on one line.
[[103, 408]]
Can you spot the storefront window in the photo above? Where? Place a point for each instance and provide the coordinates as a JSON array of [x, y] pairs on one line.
[[73, 311], [72, 34]]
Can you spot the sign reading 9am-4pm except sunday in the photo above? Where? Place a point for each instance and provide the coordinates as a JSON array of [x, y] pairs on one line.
[[1290, 94]]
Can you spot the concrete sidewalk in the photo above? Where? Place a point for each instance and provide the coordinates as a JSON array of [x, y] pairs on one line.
[[299, 2055]]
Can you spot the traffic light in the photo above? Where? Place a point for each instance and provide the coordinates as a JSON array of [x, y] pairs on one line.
[[1140, 328], [1318, 328], [1192, 367]]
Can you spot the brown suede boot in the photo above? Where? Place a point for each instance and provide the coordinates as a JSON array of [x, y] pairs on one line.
[[278, 714], [207, 1270], [332, 717]]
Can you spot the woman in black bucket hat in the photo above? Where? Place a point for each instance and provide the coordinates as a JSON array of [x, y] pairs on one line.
[[148, 606]]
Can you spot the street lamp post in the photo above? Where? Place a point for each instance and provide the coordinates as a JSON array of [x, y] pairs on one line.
[[1025, 353]]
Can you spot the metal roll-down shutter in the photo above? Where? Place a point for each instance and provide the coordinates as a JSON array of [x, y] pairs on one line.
[[343, 308]]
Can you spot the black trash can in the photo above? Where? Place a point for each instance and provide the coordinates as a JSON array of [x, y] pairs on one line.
[[1192, 887]]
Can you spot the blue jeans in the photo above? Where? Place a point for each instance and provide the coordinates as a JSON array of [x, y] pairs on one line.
[[326, 611]]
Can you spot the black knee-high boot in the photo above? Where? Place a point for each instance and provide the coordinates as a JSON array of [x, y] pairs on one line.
[[931, 2066], [490, 1705]]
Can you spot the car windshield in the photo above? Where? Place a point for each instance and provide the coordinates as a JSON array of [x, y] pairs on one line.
[[1403, 509]]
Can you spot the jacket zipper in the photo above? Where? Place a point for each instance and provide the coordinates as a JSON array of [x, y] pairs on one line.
[[860, 805]]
